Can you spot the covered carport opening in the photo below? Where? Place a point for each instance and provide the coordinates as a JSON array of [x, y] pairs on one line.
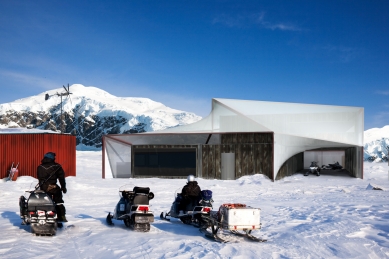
[[350, 158]]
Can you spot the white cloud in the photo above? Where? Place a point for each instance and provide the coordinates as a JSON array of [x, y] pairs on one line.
[[382, 92], [345, 54], [254, 19], [39, 82]]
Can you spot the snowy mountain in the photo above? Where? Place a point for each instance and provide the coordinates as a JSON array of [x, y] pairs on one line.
[[376, 142], [90, 112]]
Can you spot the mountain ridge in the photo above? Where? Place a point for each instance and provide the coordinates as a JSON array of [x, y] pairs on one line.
[[90, 112]]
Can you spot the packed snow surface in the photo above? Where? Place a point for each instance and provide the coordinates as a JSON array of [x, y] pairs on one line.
[[302, 217]]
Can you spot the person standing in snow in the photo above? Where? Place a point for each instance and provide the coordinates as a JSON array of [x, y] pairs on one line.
[[190, 193], [48, 172]]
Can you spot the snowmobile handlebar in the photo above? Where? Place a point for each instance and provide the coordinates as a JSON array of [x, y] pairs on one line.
[[131, 194]]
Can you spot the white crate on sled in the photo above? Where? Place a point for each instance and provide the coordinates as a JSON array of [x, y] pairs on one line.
[[240, 217]]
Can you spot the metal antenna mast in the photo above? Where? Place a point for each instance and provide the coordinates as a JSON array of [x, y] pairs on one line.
[[66, 93]]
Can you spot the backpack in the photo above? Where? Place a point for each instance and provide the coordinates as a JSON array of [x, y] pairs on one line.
[[206, 195]]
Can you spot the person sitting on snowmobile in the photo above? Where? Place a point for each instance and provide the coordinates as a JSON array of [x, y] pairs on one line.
[[190, 193], [48, 172]]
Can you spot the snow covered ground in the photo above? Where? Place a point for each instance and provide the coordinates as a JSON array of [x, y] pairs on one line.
[[302, 217]]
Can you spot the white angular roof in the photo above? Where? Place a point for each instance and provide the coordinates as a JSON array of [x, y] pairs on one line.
[[342, 124]]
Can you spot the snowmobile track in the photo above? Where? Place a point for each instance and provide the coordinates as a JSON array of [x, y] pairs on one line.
[[76, 248]]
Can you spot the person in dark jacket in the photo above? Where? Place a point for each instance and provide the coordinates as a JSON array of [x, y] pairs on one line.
[[48, 173], [190, 193]]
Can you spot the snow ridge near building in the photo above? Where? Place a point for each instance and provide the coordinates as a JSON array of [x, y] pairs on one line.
[[90, 112]]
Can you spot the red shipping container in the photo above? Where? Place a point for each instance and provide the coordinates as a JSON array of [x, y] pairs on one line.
[[28, 150]]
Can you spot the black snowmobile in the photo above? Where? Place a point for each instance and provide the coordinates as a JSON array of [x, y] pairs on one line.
[[38, 211], [335, 166], [194, 211], [134, 209], [313, 168]]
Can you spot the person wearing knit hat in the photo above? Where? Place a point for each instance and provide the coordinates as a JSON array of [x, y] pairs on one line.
[[48, 172]]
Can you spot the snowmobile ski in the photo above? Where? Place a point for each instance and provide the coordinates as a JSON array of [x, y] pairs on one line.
[[213, 236], [248, 235], [164, 217]]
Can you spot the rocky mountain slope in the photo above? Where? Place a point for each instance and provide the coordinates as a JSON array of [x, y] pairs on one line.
[[376, 144], [90, 112]]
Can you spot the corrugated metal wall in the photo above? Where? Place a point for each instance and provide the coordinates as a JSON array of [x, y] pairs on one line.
[[28, 150]]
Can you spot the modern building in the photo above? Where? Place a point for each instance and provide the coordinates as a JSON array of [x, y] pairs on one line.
[[242, 137]]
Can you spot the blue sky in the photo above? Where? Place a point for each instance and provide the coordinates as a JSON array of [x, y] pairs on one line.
[[183, 53]]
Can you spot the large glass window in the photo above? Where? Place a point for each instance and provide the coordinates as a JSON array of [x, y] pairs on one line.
[[165, 162]]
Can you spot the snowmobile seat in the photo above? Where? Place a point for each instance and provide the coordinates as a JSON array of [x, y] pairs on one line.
[[190, 203], [39, 200], [141, 199], [144, 190]]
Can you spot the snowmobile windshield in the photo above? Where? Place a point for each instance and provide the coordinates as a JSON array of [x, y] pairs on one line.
[[31, 188], [34, 185], [126, 187]]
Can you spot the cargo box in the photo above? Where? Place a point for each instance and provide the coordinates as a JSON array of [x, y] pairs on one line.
[[239, 217]]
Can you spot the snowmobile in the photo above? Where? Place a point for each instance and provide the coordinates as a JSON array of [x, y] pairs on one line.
[[335, 166], [133, 208], [195, 209], [313, 168], [234, 218], [38, 211]]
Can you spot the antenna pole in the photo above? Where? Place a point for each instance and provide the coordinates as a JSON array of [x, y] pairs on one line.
[[67, 93]]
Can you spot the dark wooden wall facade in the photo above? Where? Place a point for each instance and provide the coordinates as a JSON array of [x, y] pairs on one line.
[[354, 161], [291, 166], [28, 150], [253, 155]]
